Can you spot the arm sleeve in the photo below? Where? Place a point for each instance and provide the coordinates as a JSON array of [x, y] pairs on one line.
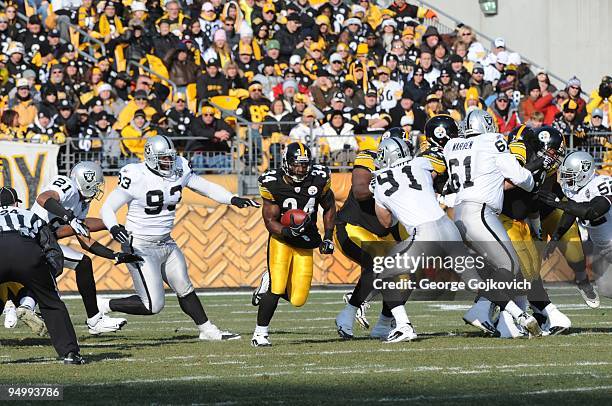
[[209, 189], [116, 199], [565, 223], [513, 171], [590, 210]]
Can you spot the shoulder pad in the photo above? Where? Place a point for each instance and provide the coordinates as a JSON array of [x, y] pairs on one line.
[[436, 157], [518, 150], [267, 182]]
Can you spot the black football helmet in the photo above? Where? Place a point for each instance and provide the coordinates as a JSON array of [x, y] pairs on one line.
[[520, 133], [546, 142], [440, 129], [396, 132], [297, 161]]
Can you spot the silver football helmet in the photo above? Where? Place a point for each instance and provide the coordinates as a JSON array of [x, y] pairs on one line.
[[391, 150], [478, 122], [89, 179], [577, 169], [160, 155]]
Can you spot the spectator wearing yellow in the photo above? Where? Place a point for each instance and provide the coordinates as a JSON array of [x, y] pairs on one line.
[[601, 98], [177, 20], [109, 26], [313, 61], [219, 49], [247, 42], [9, 126], [307, 131], [44, 130], [139, 102], [134, 135], [87, 15], [23, 104], [273, 51], [232, 9]]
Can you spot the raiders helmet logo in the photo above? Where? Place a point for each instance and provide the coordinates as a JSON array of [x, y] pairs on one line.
[[440, 132], [147, 149], [89, 176], [489, 120], [586, 166], [544, 136]]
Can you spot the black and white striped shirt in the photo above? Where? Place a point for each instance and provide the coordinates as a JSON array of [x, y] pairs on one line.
[[21, 220]]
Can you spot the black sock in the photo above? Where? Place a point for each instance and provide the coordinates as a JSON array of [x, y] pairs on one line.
[[363, 288], [537, 296], [87, 285], [397, 296], [386, 310], [267, 307], [192, 307], [130, 305]]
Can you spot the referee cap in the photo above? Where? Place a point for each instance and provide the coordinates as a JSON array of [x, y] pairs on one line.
[[8, 196]]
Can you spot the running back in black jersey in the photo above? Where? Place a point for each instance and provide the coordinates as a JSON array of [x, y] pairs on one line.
[[306, 196]]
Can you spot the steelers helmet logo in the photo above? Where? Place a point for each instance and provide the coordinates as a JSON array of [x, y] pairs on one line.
[[89, 176], [544, 136], [440, 132]]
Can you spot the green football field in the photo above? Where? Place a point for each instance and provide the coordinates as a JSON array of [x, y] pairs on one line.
[[158, 359]]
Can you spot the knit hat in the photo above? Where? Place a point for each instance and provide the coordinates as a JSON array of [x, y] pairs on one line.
[[290, 83], [219, 34], [574, 81]]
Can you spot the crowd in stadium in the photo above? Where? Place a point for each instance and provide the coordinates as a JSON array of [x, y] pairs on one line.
[[335, 68]]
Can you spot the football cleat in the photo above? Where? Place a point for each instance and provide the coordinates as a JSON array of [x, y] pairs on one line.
[[212, 333], [73, 358], [10, 315], [344, 323], [360, 316], [401, 333], [264, 285], [105, 324], [507, 328], [530, 324], [383, 327], [588, 293], [32, 320], [556, 322], [260, 340], [479, 316]]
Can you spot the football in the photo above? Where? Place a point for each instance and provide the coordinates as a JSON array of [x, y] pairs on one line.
[[299, 216]]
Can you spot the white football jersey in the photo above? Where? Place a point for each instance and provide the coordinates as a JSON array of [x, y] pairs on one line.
[[69, 198], [154, 198], [478, 166], [600, 230], [388, 93], [407, 192]]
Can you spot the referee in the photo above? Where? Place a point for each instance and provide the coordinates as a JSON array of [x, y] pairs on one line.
[[30, 255]]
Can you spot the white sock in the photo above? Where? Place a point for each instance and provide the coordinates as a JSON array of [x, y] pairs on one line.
[[262, 330], [205, 326], [513, 309], [549, 307], [104, 305], [93, 320], [401, 318], [521, 301], [28, 302]]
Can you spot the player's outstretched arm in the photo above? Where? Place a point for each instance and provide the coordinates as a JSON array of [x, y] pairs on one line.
[[514, 172], [50, 201], [218, 193], [590, 210], [115, 200], [329, 219]]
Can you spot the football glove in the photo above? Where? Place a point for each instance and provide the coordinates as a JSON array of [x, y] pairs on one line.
[[548, 198], [79, 227], [127, 258], [326, 247], [120, 234], [242, 202], [549, 249]]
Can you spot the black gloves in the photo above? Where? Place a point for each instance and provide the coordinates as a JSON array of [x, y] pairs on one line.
[[326, 247], [549, 199], [242, 202], [127, 258], [120, 234]]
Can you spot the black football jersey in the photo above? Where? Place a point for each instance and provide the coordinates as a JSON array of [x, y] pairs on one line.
[[306, 196]]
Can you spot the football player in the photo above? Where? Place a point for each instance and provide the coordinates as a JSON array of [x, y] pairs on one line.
[[152, 189], [356, 222], [404, 192], [64, 204], [299, 184], [478, 167], [589, 199], [13, 292], [520, 218]]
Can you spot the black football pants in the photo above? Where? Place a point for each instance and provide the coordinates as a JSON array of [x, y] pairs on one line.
[[22, 260]]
